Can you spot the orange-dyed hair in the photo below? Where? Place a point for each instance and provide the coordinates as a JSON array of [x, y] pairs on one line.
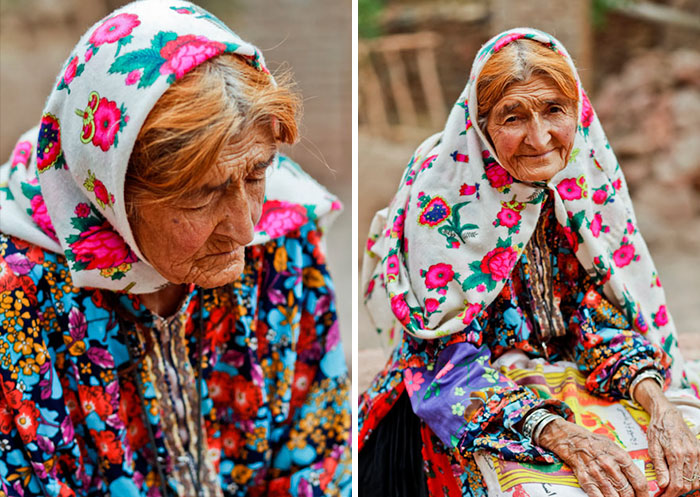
[[196, 117], [515, 63]]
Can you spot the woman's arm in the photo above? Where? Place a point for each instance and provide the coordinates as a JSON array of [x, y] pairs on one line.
[[467, 403], [608, 350]]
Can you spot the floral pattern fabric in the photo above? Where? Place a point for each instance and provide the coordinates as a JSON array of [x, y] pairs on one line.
[[68, 197], [456, 199], [466, 404], [276, 388]]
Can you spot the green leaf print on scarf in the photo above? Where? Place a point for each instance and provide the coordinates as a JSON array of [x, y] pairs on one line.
[[170, 55]]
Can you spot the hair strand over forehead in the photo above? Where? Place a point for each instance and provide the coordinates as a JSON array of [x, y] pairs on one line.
[[517, 62], [188, 127]]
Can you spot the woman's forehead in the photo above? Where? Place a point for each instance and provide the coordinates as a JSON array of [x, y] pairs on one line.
[[537, 88]]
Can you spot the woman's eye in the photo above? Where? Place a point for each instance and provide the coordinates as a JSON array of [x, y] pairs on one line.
[[511, 119], [255, 179], [555, 109]]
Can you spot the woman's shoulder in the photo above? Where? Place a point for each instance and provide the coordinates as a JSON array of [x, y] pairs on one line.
[[30, 269]]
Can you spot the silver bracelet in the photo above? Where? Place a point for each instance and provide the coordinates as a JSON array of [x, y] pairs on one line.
[[541, 426], [532, 420], [647, 373]]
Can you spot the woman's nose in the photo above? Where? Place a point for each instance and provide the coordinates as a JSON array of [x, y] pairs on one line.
[[538, 133], [236, 218]]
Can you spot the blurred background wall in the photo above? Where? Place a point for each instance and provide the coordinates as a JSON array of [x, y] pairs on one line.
[[640, 64], [312, 37]]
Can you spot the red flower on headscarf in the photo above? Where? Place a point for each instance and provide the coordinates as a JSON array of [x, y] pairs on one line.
[[21, 153], [497, 176], [499, 262], [186, 52], [400, 309], [71, 70], [107, 123], [624, 255], [100, 247], [439, 275]]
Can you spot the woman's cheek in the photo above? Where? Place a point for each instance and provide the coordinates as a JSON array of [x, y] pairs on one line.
[[189, 234]]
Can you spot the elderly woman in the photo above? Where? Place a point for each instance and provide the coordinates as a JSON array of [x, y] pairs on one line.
[[168, 322], [511, 265]]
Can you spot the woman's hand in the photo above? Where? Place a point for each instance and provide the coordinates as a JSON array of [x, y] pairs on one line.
[[603, 468], [673, 449]]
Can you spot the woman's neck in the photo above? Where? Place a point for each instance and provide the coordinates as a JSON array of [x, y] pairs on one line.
[[166, 301]]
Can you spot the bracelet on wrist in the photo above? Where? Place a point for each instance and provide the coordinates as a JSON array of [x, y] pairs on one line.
[[532, 420], [645, 374], [540, 427]]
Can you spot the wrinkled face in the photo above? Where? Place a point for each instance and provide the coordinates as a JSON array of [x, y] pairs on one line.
[[532, 128], [201, 239]]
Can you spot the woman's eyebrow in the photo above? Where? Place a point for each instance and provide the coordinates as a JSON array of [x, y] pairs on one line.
[[207, 189]]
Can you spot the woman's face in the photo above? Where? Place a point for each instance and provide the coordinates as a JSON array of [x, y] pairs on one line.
[[532, 128], [201, 238]]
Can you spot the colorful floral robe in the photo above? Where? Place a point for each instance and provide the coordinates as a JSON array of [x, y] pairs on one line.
[[276, 388], [466, 405]]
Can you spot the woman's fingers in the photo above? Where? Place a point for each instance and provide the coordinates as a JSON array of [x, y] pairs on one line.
[[682, 461], [656, 454], [638, 482]]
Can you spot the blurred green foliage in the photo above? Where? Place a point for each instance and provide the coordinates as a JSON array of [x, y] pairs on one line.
[[368, 13], [600, 10]]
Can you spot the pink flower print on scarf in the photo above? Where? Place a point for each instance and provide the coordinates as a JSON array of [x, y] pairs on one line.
[[497, 176], [499, 262], [400, 309], [102, 196], [392, 266], [507, 217], [586, 113], [41, 217], [73, 70], [102, 120], [280, 217], [114, 29], [660, 317], [100, 247], [438, 275], [186, 52], [470, 312], [21, 153], [624, 255], [573, 188]]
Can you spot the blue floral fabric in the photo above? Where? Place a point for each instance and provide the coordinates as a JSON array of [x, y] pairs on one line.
[[276, 388]]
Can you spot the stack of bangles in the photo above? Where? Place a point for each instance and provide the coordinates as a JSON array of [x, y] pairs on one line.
[[536, 422], [647, 373]]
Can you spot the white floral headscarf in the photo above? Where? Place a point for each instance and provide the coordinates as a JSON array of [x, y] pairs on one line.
[[63, 188], [447, 243]]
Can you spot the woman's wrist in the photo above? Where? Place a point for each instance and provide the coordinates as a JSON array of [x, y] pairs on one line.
[[554, 432], [650, 396]]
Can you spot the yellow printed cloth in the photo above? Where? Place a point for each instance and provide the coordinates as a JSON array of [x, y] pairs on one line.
[[623, 422]]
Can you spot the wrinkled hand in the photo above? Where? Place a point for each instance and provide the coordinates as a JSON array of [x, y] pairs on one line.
[[603, 468], [674, 451]]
